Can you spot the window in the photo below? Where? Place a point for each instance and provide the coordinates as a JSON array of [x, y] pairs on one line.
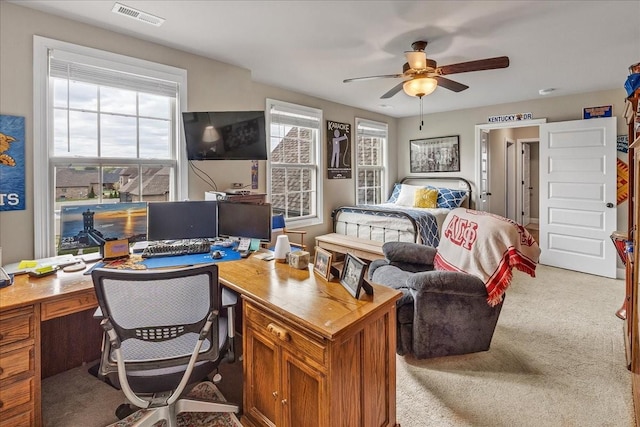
[[294, 178], [371, 145], [106, 130]]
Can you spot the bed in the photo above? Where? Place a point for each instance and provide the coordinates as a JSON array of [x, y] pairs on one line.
[[399, 219]]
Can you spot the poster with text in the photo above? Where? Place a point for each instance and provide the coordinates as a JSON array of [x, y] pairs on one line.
[[12, 167], [338, 150]]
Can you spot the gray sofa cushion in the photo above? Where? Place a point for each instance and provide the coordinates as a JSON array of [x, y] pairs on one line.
[[411, 253]]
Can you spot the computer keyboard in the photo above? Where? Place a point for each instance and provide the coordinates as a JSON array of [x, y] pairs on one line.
[[180, 247]]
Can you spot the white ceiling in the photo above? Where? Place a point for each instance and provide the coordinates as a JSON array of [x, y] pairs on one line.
[[311, 46]]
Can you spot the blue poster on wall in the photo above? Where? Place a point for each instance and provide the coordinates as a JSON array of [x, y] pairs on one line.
[[12, 163]]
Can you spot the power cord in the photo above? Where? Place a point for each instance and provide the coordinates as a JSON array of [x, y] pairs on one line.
[[199, 172]]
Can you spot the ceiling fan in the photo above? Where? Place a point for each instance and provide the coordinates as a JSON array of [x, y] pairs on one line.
[[424, 75]]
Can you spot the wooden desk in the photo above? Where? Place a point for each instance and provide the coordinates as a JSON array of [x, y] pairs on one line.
[[313, 355], [23, 306], [362, 248]]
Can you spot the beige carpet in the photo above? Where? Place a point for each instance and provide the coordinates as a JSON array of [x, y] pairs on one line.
[[76, 398], [556, 359]]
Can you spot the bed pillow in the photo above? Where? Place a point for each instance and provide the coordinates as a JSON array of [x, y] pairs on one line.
[[450, 199], [395, 193], [425, 198], [407, 195]]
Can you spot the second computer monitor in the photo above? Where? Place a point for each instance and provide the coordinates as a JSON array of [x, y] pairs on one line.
[[182, 220], [244, 220]]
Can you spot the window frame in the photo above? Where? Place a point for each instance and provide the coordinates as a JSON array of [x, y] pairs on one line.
[[43, 166], [316, 166], [384, 168]]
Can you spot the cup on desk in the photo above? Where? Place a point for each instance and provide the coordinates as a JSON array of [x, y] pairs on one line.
[[282, 249]]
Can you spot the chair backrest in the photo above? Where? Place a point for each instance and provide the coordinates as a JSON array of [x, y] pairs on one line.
[[278, 222], [160, 306]]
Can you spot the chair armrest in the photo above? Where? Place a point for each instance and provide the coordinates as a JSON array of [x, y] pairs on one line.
[[374, 266], [450, 282], [409, 252], [229, 298]]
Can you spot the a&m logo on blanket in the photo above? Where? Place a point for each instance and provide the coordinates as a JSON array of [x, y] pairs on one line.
[[462, 232]]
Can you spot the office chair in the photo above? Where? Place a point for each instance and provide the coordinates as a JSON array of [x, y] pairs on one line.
[[162, 328], [278, 226]]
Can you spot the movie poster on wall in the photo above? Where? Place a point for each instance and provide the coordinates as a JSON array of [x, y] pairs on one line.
[[338, 150], [12, 163]]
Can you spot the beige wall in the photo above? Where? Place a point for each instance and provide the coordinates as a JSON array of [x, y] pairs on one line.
[[212, 85], [463, 122]]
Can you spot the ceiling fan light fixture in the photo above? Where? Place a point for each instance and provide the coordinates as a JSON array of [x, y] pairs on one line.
[[420, 86], [416, 60]]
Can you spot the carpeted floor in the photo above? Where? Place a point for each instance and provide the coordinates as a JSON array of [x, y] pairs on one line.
[[556, 360], [76, 398]]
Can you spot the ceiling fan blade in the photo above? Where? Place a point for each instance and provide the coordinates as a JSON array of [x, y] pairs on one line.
[[397, 88], [450, 84], [416, 60], [479, 65], [387, 76]]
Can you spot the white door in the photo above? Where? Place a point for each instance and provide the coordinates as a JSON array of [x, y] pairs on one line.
[[485, 177], [526, 184], [578, 195]]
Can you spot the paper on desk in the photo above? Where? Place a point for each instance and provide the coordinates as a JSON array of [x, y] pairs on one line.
[[26, 266]]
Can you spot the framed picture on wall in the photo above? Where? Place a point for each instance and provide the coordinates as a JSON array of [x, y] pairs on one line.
[[440, 154]]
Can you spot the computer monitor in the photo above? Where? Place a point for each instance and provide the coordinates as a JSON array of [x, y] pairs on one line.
[[244, 220], [86, 227], [182, 220]]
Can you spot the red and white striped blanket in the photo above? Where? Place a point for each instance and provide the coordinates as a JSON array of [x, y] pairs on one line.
[[487, 246]]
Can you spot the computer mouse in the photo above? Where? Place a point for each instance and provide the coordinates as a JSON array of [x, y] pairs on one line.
[[216, 254]]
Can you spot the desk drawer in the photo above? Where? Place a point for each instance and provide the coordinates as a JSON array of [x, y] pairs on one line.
[[285, 335], [24, 419], [15, 362], [16, 326], [69, 305], [16, 394]]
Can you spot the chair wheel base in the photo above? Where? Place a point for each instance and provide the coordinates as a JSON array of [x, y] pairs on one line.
[[124, 410]]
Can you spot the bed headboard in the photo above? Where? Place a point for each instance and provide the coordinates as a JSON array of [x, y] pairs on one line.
[[453, 182]]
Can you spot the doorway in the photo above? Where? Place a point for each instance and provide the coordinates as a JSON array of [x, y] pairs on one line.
[[503, 168], [576, 188]]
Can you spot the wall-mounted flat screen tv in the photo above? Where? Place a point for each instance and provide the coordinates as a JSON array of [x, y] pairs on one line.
[[225, 135]]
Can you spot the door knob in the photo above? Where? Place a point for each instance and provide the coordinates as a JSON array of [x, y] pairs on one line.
[[609, 205]]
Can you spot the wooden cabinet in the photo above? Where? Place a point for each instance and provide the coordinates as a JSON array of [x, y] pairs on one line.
[[19, 368], [632, 321], [254, 198], [285, 373], [294, 377]]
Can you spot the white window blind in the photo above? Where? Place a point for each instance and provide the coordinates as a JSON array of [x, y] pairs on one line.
[[371, 145], [293, 176]]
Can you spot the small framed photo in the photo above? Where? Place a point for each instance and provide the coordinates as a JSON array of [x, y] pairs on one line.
[[322, 262], [353, 275]]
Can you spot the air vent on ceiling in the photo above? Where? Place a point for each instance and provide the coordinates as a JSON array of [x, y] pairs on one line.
[[138, 15]]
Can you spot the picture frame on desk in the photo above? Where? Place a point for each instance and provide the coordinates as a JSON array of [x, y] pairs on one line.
[[352, 276], [322, 263]]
